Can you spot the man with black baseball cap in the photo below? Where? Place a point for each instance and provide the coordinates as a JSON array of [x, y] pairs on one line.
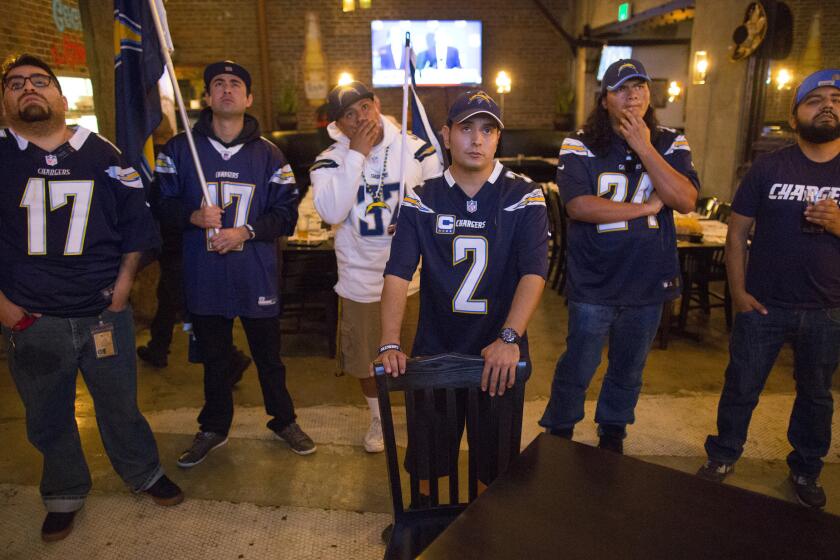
[[620, 179], [482, 233], [789, 288], [356, 184], [233, 273]]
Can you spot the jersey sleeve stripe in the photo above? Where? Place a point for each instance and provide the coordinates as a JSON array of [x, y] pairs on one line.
[[283, 176], [413, 201], [323, 164], [127, 176]]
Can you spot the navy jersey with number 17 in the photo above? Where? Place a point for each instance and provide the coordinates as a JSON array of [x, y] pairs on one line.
[[66, 219], [475, 251]]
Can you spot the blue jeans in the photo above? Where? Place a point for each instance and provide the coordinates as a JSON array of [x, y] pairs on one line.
[[44, 360], [630, 331], [753, 347]]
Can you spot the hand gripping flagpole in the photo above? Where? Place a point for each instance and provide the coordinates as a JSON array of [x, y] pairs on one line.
[[407, 64], [170, 70]]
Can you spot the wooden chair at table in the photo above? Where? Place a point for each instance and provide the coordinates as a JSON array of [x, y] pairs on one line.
[[557, 255], [722, 213], [706, 207], [445, 376]]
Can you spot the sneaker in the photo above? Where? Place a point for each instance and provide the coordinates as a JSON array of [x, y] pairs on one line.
[[239, 362], [611, 443], [151, 357], [808, 490], [297, 439], [165, 492], [57, 525], [204, 443], [715, 471], [373, 438]]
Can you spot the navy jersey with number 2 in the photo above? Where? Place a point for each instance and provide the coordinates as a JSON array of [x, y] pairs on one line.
[[474, 250]]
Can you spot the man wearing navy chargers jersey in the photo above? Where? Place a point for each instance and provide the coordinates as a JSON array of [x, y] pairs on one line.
[[482, 232], [232, 272], [74, 224], [788, 289], [620, 180]]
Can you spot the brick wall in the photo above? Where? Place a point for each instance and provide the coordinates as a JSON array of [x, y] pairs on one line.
[[55, 36], [815, 46], [516, 38]]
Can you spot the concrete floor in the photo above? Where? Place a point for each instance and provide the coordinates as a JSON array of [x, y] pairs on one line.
[[255, 475]]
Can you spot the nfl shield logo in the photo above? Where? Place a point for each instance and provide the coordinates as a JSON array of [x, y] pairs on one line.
[[51, 160], [472, 206], [225, 156]]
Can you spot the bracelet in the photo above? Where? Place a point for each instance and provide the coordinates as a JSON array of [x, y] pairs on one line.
[[385, 347], [251, 233]]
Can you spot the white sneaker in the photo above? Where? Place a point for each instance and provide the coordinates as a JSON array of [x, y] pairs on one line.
[[373, 438]]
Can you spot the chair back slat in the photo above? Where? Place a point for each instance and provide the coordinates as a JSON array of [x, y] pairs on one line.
[[453, 445], [430, 459], [473, 421], [411, 428], [391, 452]]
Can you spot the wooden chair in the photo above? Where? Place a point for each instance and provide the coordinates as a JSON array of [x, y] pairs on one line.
[[724, 210], [445, 378], [706, 207], [557, 255]]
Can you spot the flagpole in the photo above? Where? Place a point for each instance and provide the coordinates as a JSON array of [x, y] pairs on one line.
[[407, 63], [170, 70]]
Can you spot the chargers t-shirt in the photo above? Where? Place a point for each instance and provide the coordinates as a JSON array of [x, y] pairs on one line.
[[787, 267]]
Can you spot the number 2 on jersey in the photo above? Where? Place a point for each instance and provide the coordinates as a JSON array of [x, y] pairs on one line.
[[35, 201], [615, 185], [462, 247]]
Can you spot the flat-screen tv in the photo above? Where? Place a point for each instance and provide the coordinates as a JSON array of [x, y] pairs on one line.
[[448, 52], [609, 54]]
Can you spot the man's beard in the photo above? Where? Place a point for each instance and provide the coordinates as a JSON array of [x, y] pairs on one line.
[[818, 133], [35, 120]]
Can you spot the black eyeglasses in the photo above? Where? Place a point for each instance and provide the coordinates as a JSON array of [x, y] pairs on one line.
[[16, 83]]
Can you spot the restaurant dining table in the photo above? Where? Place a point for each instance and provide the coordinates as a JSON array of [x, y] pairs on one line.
[[563, 499]]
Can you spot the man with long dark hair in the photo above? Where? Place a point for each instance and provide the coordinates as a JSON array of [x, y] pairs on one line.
[[619, 179]]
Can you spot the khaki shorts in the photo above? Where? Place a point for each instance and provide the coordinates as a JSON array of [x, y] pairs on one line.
[[359, 333]]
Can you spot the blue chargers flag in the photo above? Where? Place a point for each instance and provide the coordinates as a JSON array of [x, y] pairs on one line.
[[420, 126], [138, 65]]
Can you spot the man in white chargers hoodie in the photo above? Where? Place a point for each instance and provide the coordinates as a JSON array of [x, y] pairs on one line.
[[356, 184]]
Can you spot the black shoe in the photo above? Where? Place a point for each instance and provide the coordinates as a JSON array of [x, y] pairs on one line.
[[297, 439], [715, 471], [239, 362], [204, 443], [611, 443], [57, 525], [565, 433], [151, 357], [165, 492], [808, 490], [386, 533]]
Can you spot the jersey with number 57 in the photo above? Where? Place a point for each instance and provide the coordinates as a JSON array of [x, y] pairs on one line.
[[630, 262], [475, 251], [66, 219]]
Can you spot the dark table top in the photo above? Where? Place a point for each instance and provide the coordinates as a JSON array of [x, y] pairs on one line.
[[562, 499]]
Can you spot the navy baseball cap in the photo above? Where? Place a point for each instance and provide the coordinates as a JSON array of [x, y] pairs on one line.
[[474, 102], [342, 97], [828, 77], [226, 67], [620, 71]]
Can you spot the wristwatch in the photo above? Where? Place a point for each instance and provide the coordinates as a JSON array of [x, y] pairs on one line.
[[251, 233], [509, 336]]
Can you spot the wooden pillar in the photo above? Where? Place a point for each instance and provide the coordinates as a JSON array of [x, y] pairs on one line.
[[580, 87]]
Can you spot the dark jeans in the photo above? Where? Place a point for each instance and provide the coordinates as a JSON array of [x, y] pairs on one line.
[[44, 360], [170, 292], [630, 331], [753, 347], [215, 340]]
